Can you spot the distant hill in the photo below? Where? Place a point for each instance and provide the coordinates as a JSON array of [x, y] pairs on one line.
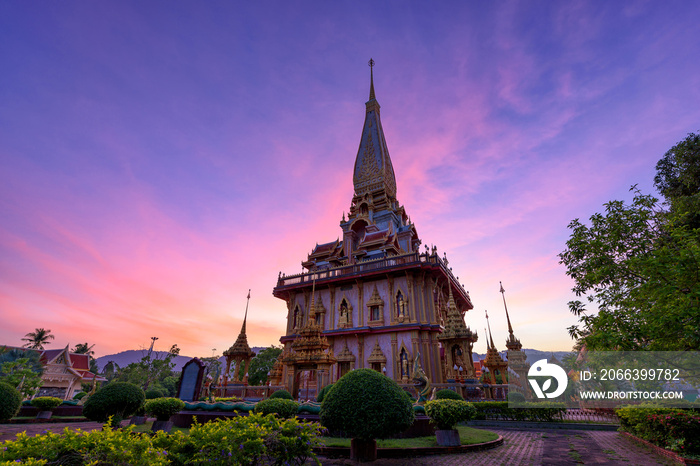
[[533, 355], [125, 358]]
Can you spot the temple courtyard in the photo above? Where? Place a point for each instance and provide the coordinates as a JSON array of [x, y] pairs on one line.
[[523, 446]]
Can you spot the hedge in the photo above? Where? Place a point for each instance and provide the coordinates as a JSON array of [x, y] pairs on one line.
[[546, 411], [670, 428], [249, 440]]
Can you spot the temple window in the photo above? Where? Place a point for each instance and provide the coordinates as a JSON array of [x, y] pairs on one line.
[[376, 366], [374, 313], [343, 368]]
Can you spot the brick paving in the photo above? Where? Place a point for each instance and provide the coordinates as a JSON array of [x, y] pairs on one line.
[[540, 448], [525, 447]]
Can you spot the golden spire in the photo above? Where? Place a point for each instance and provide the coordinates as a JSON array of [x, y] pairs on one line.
[[503, 292], [489, 325], [245, 316], [371, 79]]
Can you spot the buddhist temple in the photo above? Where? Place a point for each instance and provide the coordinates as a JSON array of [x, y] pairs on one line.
[[372, 298]]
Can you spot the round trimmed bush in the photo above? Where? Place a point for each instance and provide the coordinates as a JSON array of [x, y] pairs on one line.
[[46, 403], [366, 405], [163, 408], [516, 397], [280, 406], [324, 391], [79, 395], [10, 401], [282, 394], [447, 413], [118, 399], [448, 395], [153, 393]]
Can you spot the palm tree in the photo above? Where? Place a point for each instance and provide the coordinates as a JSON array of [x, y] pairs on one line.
[[37, 338], [84, 348]]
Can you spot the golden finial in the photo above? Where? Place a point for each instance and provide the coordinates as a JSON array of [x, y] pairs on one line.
[[371, 79]]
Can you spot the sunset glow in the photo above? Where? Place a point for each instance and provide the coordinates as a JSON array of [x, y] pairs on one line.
[[161, 158]]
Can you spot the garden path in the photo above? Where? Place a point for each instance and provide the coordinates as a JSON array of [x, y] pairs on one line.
[[528, 447], [521, 447]]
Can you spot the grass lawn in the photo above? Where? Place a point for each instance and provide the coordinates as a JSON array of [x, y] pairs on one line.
[[468, 436]]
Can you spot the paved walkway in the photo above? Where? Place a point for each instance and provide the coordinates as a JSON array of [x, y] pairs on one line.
[[542, 447], [520, 448]]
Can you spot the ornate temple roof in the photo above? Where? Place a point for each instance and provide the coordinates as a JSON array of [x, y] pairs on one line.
[[493, 357], [311, 347], [455, 328], [373, 169], [241, 348]]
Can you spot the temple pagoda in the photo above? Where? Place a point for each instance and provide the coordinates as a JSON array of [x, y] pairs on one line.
[[376, 299]]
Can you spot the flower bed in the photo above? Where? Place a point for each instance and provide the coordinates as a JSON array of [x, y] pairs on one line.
[[253, 439], [676, 430]]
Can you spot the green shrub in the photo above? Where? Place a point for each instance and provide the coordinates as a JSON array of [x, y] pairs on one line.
[[153, 393], [678, 431], [516, 397], [79, 395], [633, 418], [365, 404], [10, 401], [163, 408], [448, 395], [76, 447], [249, 440], [46, 403], [118, 399], [324, 391], [546, 411], [447, 413], [254, 439], [282, 407], [282, 394]]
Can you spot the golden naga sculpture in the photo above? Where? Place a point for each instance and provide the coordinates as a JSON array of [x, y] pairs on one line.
[[422, 383]]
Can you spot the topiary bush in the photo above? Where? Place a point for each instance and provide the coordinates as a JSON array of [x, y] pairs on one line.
[[516, 397], [282, 407], [366, 405], [79, 395], [46, 403], [10, 401], [163, 408], [448, 395], [282, 394], [118, 399], [153, 393], [324, 391], [447, 413]]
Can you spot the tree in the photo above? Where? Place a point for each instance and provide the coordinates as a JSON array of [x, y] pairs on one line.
[[22, 370], [83, 348], [640, 265], [262, 364], [151, 369], [38, 338], [678, 179]]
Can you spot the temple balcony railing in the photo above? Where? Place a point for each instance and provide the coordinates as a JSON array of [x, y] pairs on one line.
[[370, 265]]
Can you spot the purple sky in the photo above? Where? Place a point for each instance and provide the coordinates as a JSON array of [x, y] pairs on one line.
[[160, 158]]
